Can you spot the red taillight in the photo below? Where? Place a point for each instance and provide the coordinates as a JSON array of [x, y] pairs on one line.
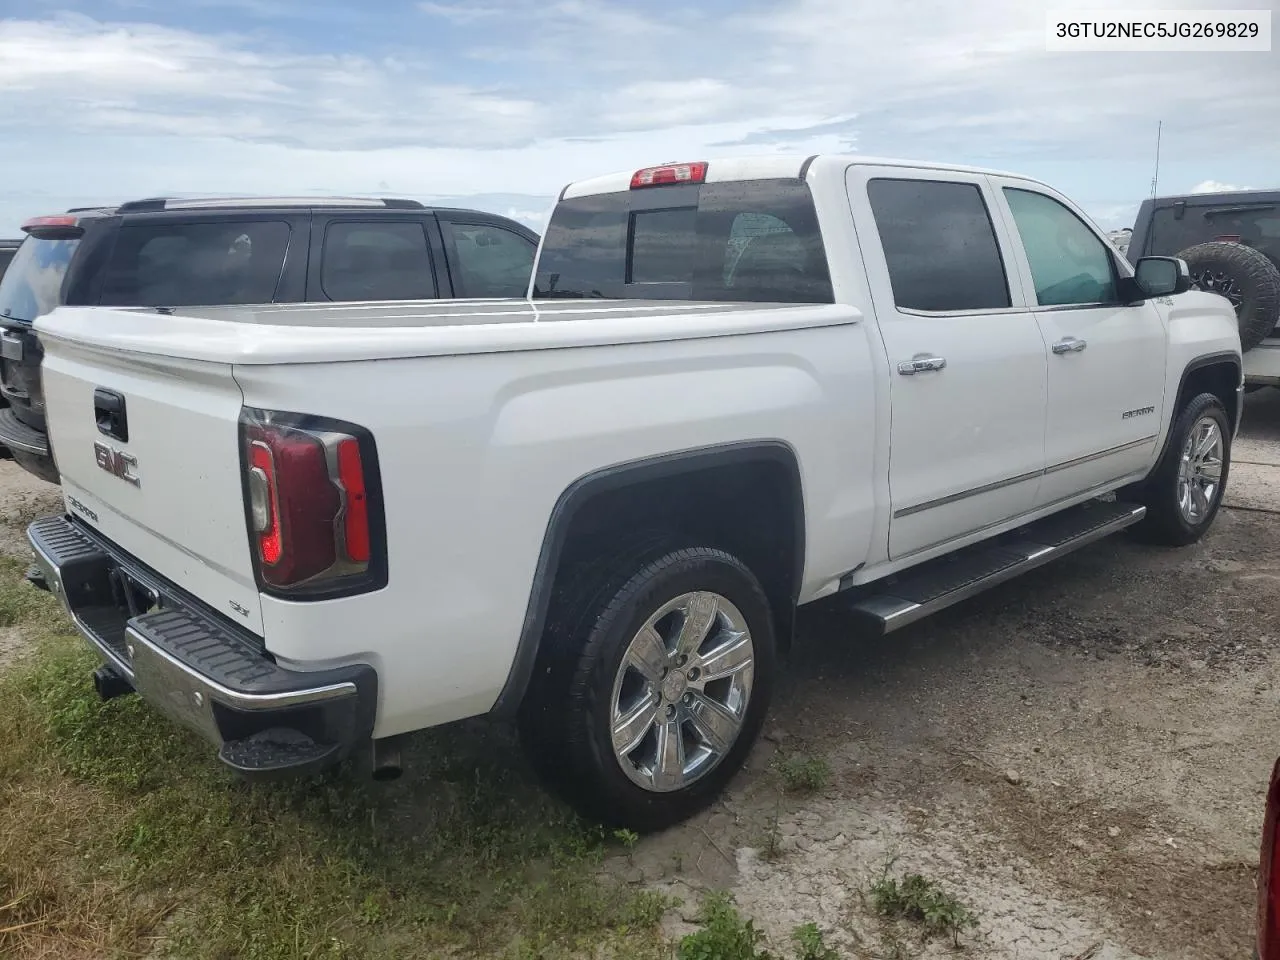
[[60, 226], [670, 173], [308, 495], [351, 473], [1269, 874], [1228, 238]]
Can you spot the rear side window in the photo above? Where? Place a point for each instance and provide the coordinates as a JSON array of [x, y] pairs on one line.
[[373, 260], [939, 244], [32, 285], [492, 261], [754, 240], [1255, 225], [193, 264]]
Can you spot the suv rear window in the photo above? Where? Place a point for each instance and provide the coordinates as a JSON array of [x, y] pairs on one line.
[[195, 264], [755, 240], [32, 286], [1255, 225]]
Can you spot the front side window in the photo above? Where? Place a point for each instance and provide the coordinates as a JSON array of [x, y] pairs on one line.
[[167, 264], [376, 260], [492, 262], [1070, 265], [939, 244]]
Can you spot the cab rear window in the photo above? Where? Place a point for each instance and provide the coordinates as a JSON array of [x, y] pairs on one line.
[[32, 286], [752, 240]]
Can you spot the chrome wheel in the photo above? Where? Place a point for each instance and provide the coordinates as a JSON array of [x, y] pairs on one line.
[[681, 694], [1200, 472]]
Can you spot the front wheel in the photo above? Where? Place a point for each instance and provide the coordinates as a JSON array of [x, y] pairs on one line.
[[666, 673], [1182, 495]]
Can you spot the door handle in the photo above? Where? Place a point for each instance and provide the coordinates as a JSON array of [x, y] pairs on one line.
[[920, 363], [1069, 345], [110, 414]]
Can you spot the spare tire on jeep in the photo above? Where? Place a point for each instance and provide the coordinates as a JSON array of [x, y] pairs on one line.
[[1244, 276]]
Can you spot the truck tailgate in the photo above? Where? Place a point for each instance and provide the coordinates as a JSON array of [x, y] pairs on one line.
[[148, 450]]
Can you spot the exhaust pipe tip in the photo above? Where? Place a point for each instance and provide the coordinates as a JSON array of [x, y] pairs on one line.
[[387, 765], [109, 684], [35, 577]]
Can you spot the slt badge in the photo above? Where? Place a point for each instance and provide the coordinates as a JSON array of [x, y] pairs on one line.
[[117, 463]]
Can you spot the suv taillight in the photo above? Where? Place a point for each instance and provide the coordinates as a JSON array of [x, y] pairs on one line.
[[1269, 874], [312, 504]]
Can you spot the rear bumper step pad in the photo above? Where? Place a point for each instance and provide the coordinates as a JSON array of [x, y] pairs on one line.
[[198, 671]]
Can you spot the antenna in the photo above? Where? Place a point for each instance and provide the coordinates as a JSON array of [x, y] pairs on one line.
[[1155, 178]]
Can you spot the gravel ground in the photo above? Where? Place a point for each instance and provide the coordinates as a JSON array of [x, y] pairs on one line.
[[1080, 755]]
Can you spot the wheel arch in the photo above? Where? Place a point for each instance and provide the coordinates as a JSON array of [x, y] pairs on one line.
[[651, 475], [1217, 373]]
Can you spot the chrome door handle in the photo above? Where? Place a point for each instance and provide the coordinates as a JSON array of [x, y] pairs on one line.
[[920, 363], [1069, 345]]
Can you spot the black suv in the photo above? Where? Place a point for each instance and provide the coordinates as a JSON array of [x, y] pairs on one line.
[[175, 253]]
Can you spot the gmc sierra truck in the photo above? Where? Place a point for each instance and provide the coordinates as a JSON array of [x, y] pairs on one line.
[[736, 387]]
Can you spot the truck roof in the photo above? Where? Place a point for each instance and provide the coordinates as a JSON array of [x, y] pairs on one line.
[[772, 166]]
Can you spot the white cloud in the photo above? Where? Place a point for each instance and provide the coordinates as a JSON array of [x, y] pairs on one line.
[[1215, 186], [523, 95]]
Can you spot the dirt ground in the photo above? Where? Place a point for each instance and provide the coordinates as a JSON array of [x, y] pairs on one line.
[[1080, 755]]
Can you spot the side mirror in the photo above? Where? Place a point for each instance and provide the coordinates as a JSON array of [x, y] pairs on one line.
[[1161, 277]]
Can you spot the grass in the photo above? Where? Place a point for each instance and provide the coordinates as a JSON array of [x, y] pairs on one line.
[[802, 773], [811, 944], [724, 935], [121, 835], [923, 902]]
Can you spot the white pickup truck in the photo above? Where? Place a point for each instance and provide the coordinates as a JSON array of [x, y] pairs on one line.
[[737, 387]]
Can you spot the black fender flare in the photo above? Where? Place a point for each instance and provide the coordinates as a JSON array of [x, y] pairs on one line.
[[1199, 363], [617, 477]]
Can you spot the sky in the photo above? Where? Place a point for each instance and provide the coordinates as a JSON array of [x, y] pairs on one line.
[[499, 103]]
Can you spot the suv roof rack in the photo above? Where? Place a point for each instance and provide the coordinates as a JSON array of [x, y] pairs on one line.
[[222, 203]]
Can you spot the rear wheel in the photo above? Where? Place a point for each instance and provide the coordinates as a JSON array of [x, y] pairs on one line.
[[1184, 492], [657, 690]]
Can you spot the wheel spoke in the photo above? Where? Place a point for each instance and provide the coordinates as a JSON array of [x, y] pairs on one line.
[[648, 654], [1201, 500], [1208, 440], [729, 658], [1184, 497], [630, 728], [1211, 470], [699, 616], [713, 722], [668, 767]]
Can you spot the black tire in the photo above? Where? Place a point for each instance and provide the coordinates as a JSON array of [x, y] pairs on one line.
[[1246, 277], [1165, 522], [566, 717]]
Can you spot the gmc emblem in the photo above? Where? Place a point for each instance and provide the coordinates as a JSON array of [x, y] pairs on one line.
[[117, 463]]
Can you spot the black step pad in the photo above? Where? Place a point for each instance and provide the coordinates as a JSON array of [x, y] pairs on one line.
[[279, 749], [1062, 528]]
